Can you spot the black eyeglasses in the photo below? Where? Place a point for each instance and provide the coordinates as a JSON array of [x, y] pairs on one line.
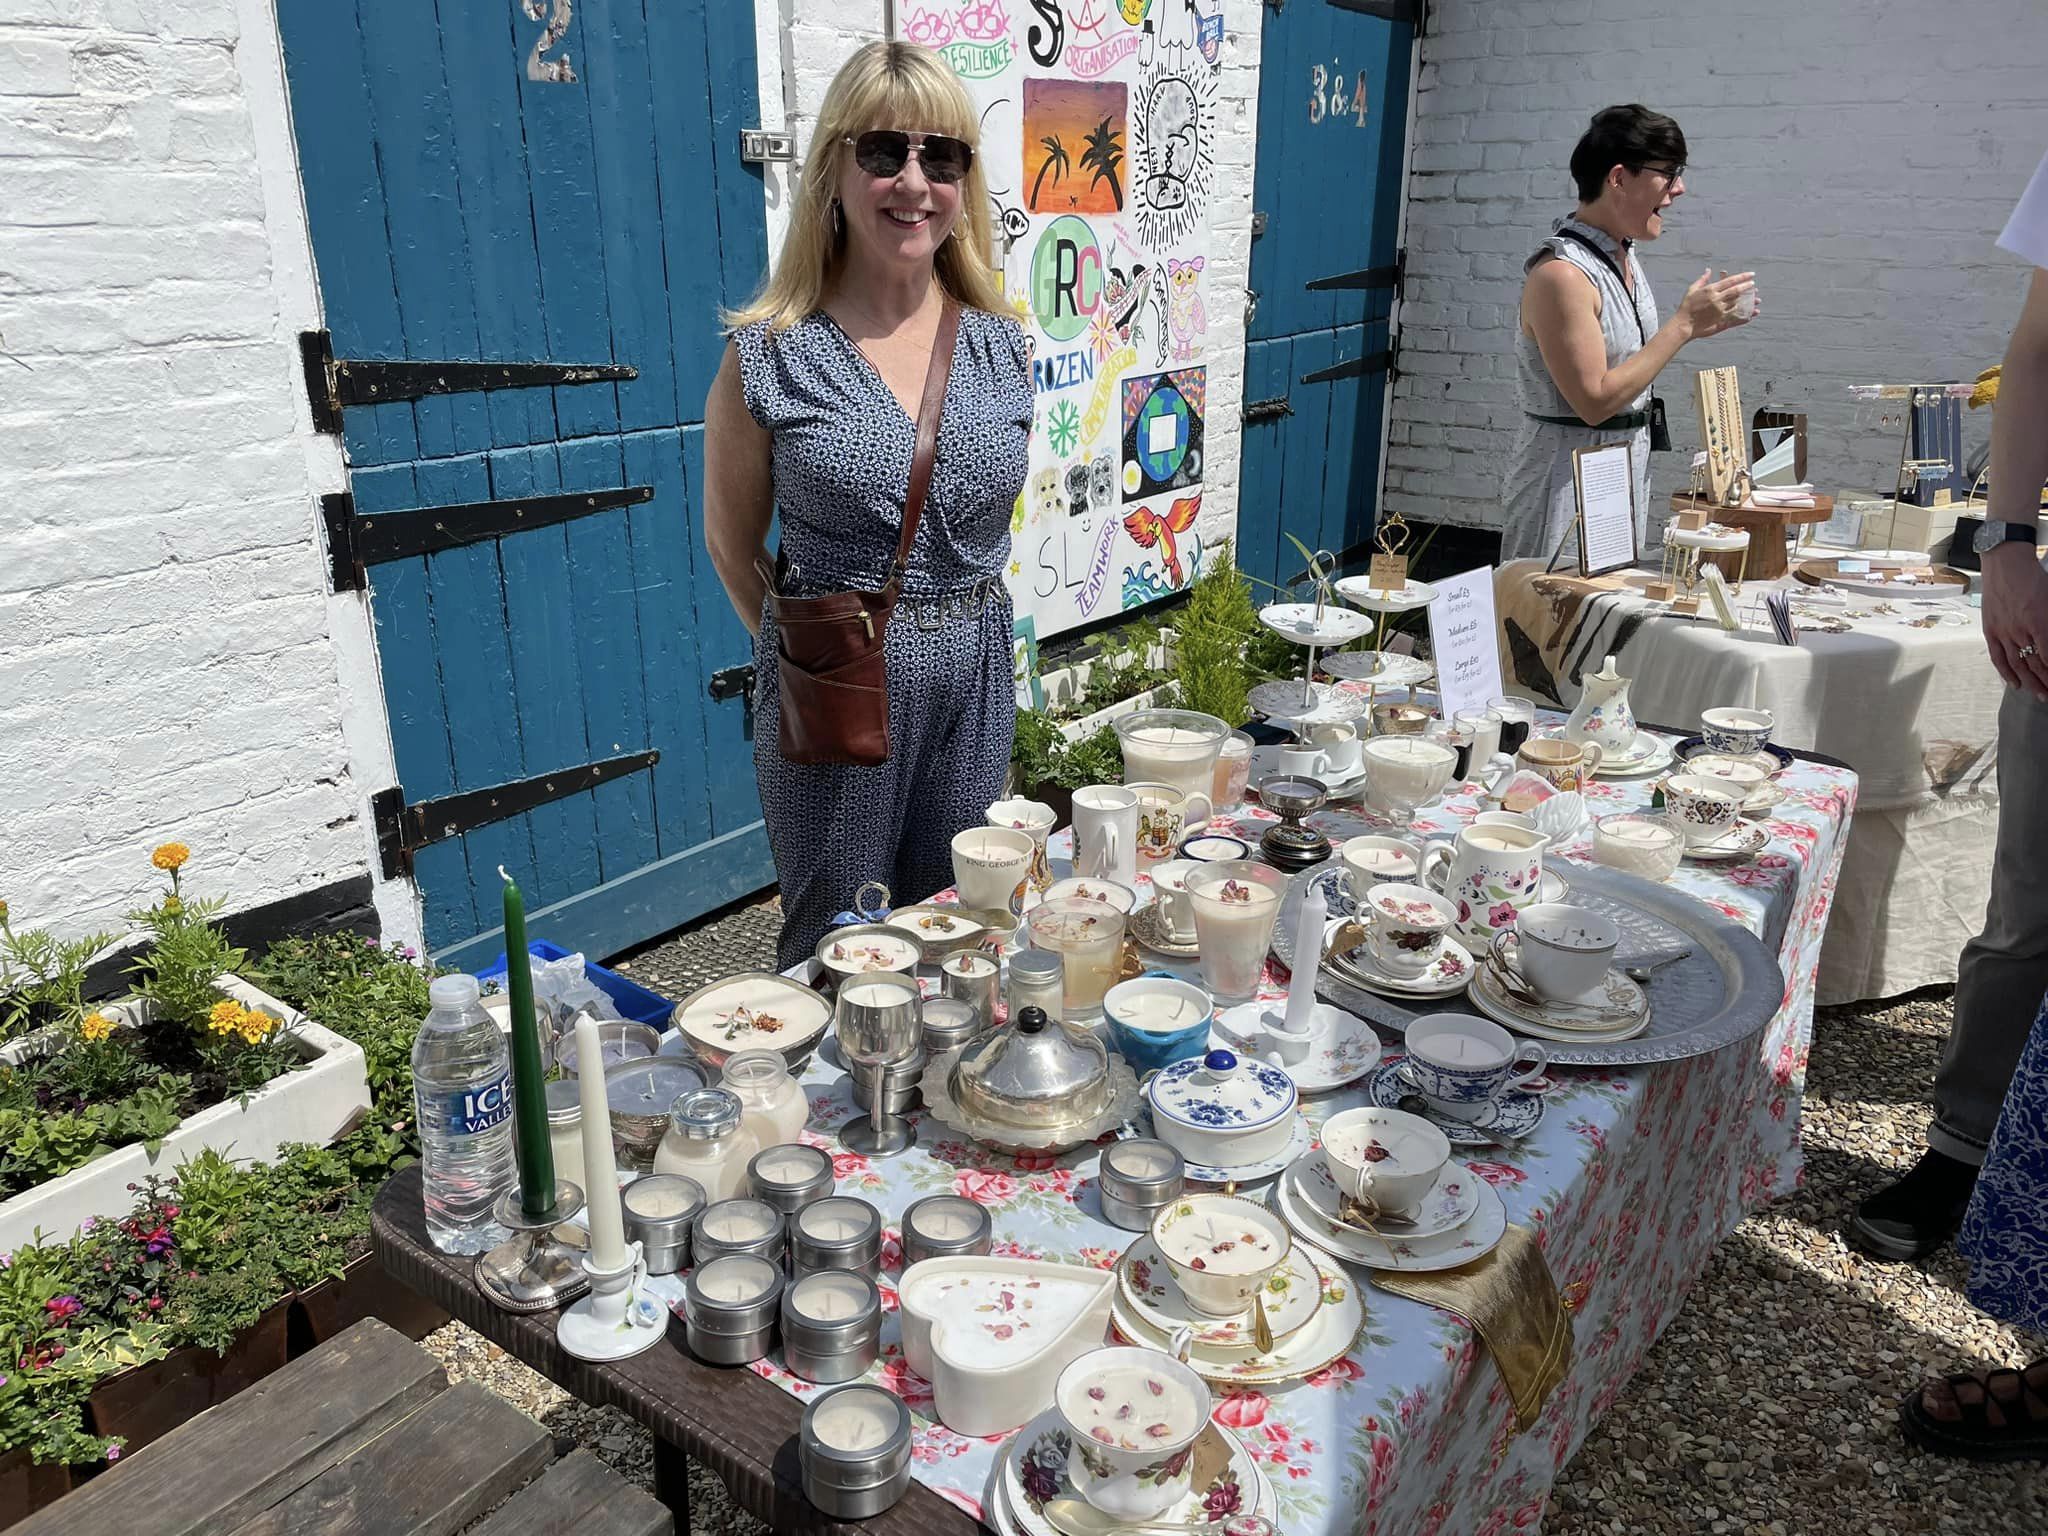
[[1668, 172], [885, 151]]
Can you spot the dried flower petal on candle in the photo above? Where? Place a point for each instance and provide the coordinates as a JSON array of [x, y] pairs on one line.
[[743, 1018], [1375, 1153], [1234, 892], [938, 923]]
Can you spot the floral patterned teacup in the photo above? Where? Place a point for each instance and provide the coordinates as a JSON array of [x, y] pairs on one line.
[[1409, 925], [1134, 1416], [1705, 807]]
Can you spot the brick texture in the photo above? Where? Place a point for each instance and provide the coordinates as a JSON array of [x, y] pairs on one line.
[[166, 668], [1860, 158]]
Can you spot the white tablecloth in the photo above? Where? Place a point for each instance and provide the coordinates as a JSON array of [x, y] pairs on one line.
[[1907, 697]]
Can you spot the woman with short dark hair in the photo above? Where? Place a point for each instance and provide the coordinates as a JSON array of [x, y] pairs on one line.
[[1590, 344]]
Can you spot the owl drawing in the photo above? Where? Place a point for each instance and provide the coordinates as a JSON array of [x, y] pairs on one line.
[[1185, 311]]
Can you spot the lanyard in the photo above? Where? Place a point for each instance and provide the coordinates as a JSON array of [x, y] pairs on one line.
[[1642, 336]]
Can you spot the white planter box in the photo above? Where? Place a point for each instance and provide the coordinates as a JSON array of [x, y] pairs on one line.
[[1088, 725], [317, 1103]]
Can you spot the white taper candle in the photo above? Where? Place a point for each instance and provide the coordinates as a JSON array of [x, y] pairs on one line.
[[1308, 951], [601, 1211]]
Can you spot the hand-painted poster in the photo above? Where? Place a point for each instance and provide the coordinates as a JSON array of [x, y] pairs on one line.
[[1099, 140]]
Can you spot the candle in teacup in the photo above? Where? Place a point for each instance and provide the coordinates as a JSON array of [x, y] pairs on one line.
[[601, 1212], [1308, 949]]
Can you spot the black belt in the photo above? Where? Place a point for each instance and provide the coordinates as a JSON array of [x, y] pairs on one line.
[[1627, 421]]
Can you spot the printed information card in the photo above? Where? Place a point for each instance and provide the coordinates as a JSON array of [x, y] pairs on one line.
[[1462, 632]]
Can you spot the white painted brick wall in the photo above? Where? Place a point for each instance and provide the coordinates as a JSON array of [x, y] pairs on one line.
[[814, 37], [1861, 158], [166, 663]]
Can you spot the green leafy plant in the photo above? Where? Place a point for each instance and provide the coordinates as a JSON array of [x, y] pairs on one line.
[[36, 1146], [42, 977], [1095, 759], [1213, 635]]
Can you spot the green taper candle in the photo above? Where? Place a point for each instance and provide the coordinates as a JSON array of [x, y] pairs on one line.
[[529, 1088]]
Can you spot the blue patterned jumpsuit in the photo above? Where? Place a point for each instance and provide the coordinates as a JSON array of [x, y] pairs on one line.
[[841, 450]]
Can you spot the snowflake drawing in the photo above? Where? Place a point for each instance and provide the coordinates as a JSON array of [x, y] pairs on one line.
[[1063, 428]]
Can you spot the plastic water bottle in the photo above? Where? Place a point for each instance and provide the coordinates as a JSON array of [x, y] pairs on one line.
[[462, 1089]]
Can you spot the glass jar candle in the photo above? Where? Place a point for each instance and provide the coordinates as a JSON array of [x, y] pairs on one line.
[[1639, 843], [565, 1130], [1037, 980], [706, 1142], [772, 1104]]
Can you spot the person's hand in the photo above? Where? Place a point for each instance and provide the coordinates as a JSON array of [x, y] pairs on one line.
[[1712, 306], [2016, 616]]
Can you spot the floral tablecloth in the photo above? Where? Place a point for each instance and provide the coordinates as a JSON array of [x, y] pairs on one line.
[[1631, 1180]]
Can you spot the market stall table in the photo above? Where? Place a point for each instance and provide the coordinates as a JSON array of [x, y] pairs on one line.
[[1632, 1178], [1901, 689]]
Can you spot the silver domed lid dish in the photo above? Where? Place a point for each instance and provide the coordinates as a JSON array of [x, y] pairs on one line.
[[1036, 1085]]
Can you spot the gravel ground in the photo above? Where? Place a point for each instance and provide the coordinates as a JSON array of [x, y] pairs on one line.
[[1767, 1407]]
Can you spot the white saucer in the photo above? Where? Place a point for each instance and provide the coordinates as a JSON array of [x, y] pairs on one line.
[[1251, 1173], [1546, 1022], [1478, 1237], [1266, 763], [1148, 926], [1144, 1279], [1360, 592], [1446, 976], [1745, 840], [1451, 1202], [1329, 1336], [1649, 754], [1327, 703], [1220, 1459], [1300, 623], [1377, 669], [1343, 1049], [1516, 1113]]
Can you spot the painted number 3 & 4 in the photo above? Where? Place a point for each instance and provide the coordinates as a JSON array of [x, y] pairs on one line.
[[1327, 98]]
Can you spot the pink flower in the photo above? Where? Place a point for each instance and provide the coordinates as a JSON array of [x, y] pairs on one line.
[[1338, 1373], [984, 1186], [1500, 914], [898, 1377], [113, 1453], [1497, 1174], [1241, 1410], [847, 1164], [1034, 1162]]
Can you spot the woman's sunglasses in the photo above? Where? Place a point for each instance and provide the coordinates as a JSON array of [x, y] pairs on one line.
[[885, 151]]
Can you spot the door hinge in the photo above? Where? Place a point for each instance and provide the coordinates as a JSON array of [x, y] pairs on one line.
[[1266, 410], [758, 146], [1366, 277], [357, 541], [1259, 222], [335, 382], [402, 830], [1351, 368], [1409, 11], [733, 683]]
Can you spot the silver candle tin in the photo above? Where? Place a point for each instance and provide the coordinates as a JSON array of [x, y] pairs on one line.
[[730, 1307], [831, 1325], [817, 1241], [790, 1191], [1138, 1176], [920, 1242], [976, 980], [711, 1239], [949, 1021], [663, 1234], [899, 1083], [847, 1473]]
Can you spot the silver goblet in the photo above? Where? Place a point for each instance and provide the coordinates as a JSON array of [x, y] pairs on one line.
[[880, 1020]]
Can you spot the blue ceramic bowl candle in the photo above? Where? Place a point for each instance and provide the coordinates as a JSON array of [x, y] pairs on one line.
[[1157, 1019]]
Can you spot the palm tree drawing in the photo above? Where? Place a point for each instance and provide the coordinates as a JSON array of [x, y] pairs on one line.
[[1105, 152], [1055, 161]]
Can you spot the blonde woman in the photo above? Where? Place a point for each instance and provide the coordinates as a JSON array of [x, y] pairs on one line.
[[813, 416]]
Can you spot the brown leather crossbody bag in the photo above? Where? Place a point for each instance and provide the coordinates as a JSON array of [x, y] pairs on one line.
[[831, 667]]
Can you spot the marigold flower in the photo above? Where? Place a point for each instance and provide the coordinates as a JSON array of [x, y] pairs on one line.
[[173, 906], [96, 1026], [3, 911], [226, 1016], [170, 856], [254, 1025]]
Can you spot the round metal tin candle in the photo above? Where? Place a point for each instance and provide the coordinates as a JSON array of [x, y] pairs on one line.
[[730, 1307], [839, 1232], [949, 1021], [739, 1226], [945, 1227], [975, 979], [831, 1325], [854, 1451], [789, 1177], [1138, 1177], [660, 1210]]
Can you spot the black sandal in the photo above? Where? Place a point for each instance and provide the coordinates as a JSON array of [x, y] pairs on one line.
[[2000, 1416]]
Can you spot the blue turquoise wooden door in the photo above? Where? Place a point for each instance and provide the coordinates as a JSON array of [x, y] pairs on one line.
[[519, 182], [1333, 114]]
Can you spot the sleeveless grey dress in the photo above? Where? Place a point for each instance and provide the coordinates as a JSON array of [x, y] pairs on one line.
[[1537, 491], [841, 447]]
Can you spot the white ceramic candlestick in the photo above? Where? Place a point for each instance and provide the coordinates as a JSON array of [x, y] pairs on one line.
[[601, 1213]]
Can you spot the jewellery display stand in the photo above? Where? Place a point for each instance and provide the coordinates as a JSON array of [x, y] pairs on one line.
[[1379, 595], [1321, 625]]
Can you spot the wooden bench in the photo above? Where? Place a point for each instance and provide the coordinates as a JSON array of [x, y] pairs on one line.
[[363, 1435]]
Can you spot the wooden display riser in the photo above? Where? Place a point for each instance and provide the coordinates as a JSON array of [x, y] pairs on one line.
[[1768, 528]]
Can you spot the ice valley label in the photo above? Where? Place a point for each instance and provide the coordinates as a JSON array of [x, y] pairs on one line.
[[478, 1109]]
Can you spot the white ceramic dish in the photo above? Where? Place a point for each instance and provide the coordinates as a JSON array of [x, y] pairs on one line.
[[1220, 1463], [1650, 754], [1343, 1049], [1745, 840], [715, 1018], [1445, 976], [1548, 1022], [1329, 1337], [984, 1381], [1360, 592], [1298, 1142], [1515, 1113], [1223, 1110], [1301, 623], [1145, 1283]]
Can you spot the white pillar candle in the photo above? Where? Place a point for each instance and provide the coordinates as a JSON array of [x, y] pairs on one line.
[[1308, 949], [601, 1213]]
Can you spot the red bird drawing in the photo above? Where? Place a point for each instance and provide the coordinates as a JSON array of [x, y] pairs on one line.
[[1151, 531]]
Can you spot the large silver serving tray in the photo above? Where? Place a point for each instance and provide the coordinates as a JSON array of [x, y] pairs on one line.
[[1725, 991]]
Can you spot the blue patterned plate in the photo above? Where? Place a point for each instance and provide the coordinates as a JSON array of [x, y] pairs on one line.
[[1514, 1114]]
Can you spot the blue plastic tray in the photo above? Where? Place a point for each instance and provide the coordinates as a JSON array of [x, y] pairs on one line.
[[635, 1001]]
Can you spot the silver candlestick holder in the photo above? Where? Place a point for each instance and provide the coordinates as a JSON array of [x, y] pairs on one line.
[[540, 1266]]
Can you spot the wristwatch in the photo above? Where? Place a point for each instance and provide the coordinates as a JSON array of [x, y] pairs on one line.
[[1991, 535]]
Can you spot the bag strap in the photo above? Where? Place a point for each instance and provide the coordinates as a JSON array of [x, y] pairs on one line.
[[929, 411], [1613, 266]]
